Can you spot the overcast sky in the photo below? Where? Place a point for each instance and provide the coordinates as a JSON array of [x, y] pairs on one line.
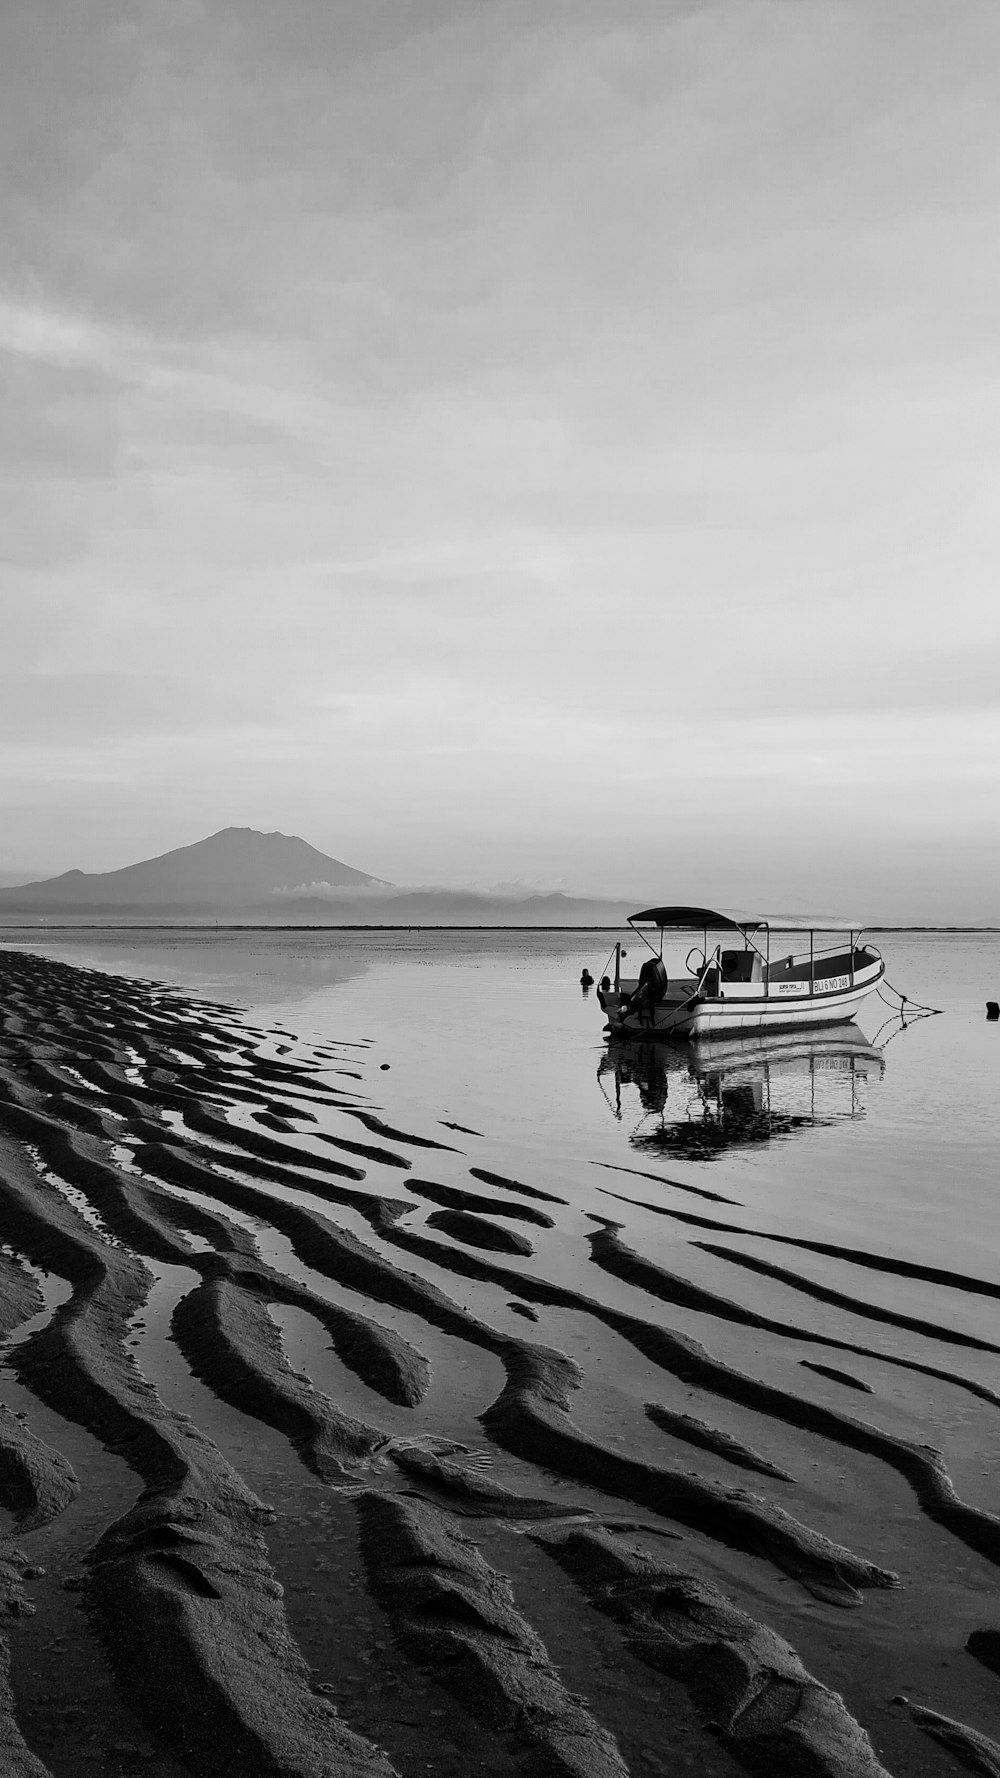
[[553, 442]]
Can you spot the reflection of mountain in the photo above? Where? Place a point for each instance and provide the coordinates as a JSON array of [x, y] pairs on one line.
[[699, 1099], [260, 969]]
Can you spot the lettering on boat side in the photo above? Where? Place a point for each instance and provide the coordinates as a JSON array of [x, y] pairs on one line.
[[825, 984]]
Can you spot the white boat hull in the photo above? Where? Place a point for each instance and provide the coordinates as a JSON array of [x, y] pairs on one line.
[[742, 1007]]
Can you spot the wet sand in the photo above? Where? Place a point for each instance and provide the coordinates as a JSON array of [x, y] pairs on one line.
[[326, 1447]]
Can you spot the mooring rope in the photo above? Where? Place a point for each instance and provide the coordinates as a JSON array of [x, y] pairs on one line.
[[906, 1005]]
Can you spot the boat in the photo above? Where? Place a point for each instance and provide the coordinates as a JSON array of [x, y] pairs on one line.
[[737, 978]]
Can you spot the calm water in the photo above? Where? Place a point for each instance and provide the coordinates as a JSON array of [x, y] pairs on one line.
[[878, 1136], [724, 1167]]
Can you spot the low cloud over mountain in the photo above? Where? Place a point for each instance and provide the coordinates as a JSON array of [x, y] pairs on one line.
[[240, 874]]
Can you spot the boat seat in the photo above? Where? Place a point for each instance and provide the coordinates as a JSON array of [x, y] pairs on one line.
[[737, 966]]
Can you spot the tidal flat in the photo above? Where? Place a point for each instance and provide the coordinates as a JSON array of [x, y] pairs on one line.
[[396, 1379]]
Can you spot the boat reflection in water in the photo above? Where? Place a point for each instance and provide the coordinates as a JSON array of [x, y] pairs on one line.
[[699, 1099]]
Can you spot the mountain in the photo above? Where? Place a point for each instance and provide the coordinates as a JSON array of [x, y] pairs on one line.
[[243, 876], [235, 869]]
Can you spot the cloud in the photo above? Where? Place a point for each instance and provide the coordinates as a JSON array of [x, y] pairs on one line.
[[458, 433], [35, 331]]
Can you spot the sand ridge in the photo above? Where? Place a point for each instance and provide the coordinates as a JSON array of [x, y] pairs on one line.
[[159, 1157]]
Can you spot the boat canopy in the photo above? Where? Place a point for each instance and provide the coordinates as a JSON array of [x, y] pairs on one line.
[[682, 919], [692, 920]]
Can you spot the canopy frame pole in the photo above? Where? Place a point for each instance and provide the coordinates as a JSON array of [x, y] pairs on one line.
[[641, 935], [750, 937]]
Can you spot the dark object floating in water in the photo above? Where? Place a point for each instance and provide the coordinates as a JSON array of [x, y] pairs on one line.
[[384, 1067], [992, 1009], [586, 979], [827, 1370]]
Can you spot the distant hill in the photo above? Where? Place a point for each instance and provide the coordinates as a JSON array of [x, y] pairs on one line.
[[451, 907], [237, 868], [243, 876]]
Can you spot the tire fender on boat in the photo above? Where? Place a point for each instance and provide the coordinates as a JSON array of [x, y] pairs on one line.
[[650, 990]]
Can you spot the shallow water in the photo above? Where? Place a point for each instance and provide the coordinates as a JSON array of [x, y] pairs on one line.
[[796, 1201], [892, 1142]]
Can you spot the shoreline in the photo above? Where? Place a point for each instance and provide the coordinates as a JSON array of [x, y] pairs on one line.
[[208, 925], [151, 1141]]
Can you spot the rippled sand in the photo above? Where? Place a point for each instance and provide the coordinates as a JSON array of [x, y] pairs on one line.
[[327, 1448]]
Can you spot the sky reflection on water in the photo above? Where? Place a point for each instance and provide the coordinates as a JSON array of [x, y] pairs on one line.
[[896, 1142]]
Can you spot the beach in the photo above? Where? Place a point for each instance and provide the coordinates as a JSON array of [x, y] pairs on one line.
[[331, 1445]]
